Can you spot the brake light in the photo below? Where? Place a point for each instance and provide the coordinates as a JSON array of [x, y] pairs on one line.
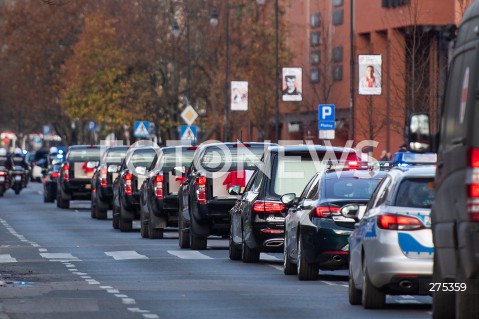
[[66, 172], [103, 177], [324, 211], [201, 191], [192, 148], [399, 222], [353, 164], [128, 189], [54, 174], [2, 173], [472, 187], [159, 186], [268, 207]]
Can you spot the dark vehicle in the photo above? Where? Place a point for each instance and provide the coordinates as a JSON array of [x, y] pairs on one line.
[[316, 234], [102, 181], [126, 186], [257, 219], [74, 182], [5, 166], [159, 193], [455, 211], [204, 196], [50, 182]]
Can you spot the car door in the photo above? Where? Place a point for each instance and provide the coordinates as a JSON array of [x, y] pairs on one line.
[[236, 211]]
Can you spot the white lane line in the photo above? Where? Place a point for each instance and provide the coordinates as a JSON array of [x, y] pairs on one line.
[[128, 301], [150, 316], [123, 255], [347, 286], [80, 274], [329, 283], [42, 250], [188, 254], [93, 282], [85, 277], [278, 267], [7, 258], [113, 291], [59, 257], [121, 296], [267, 257], [106, 287], [73, 269], [138, 310]]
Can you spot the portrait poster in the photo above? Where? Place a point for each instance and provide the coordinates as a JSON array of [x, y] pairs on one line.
[[239, 95], [292, 84], [370, 74]]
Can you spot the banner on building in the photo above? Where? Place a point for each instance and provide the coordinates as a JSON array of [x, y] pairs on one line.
[[239, 95], [292, 86], [370, 74]]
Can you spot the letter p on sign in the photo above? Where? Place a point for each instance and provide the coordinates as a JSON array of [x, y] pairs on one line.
[[326, 112]]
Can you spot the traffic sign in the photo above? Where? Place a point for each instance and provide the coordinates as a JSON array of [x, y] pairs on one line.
[[326, 115], [188, 133], [141, 129], [47, 130], [189, 115], [92, 126]]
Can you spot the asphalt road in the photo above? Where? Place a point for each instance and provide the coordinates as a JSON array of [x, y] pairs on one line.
[[62, 264]]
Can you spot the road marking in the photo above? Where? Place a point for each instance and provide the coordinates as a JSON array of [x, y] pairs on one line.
[[329, 283], [278, 267], [123, 255], [121, 296], [128, 301], [42, 250], [6, 258], [408, 301], [150, 316], [59, 257], [188, 254], [138, 310], [113, 291], [267, 257], [106, 287]]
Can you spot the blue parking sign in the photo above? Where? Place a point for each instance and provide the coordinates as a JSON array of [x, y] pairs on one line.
[[326, 117]]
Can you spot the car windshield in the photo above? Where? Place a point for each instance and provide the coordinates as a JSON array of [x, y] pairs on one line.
[[143, 157], [351, 187], [216, 158], [292, 174], [415, 192], [174, 157], [115, 156], [84, 154]]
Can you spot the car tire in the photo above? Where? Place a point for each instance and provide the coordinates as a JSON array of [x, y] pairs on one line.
[[93, 208], [183, 235], [125, 225], [198, 242], [289, 268], [355, 294], [249, 255], [443, 304], [115, 221], [372, 297], [154, 233], [467, 302], [47, 197], [306, 271], [234, 249], [143, 225], [62, 203]]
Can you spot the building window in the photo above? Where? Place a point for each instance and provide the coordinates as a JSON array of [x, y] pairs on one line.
[[314, 57], [314, 75], [337, 3], [338, 54], [393, 3], [315, 39], [315, 20], [338, 72], [338, 17]]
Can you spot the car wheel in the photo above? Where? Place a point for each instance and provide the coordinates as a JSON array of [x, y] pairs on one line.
[[372, 297], [234, 249], [62, 203], [1, 191], [47, 197], [124, 224], [154, 233], [306, 271], [115, 221], [198, 242], [354, 293], [183, 235], [443, 304], [93, 208], [288, 267], [249, 255], [143, 224]]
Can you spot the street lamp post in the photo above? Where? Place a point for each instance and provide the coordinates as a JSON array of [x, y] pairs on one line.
[[351, 70]]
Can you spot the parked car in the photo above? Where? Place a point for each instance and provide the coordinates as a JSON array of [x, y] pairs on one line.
[[257, 219], [102, 180], [126, 186], [74, 182], [391, 250], [159, 192], [204, 196], [316, 234], [50, 181]]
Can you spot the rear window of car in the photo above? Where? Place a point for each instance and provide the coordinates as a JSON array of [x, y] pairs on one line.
[[345, 188], [176, 157], [216, 158], [415, 193], [115, 156], [291, 175], [84, 154], [143, 157]]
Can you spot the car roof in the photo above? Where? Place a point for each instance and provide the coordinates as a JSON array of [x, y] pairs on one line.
[[415, 171], [363, 173], [232, 144], [307, 148]]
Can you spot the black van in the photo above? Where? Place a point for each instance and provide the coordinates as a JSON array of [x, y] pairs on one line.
[[455, 212]]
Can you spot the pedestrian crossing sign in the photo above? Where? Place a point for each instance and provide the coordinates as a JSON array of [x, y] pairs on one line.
[[187, 133], [141, 129]]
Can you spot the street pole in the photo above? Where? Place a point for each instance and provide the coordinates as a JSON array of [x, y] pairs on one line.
[[227, 72], [351, 71], [276, 122]]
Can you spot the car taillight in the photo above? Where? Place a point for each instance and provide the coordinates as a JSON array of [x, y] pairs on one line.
[[103, 177], [324, 211], [353, 164], [268, 207], [201, 191], [159, 186], [2, 173], [472, 190], [399, 222], [54, 175], [128, 189], [66, 172]]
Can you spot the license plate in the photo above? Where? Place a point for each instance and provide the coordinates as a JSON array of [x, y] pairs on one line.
[[87, 186], [18, 178], [2, 178]]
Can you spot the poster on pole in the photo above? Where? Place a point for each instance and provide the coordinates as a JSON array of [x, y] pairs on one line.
[[292, 86], [370, 74], [239, 95]]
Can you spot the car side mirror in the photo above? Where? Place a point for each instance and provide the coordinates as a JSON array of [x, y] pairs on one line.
[[419, 134], [92, 164], [179, 171], [235, 190], [113, 168], [289, 199]]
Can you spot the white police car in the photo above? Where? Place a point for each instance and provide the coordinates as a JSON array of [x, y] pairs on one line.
[[391, 249]]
